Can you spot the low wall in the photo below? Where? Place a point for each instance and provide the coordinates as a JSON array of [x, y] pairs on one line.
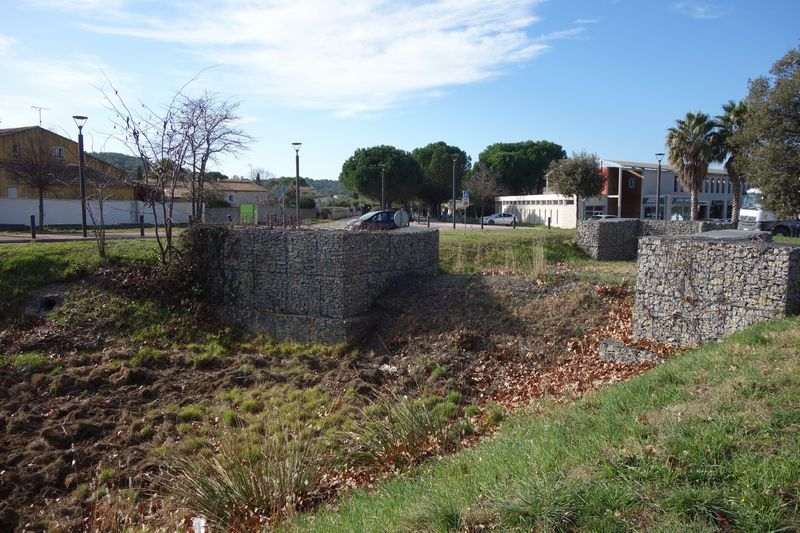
[[18, 211], [617, 239], [693, 289], [306, 284]]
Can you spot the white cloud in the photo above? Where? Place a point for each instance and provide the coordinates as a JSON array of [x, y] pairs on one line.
[[6, 43], [698, 9], [583, 22], [350, 57]]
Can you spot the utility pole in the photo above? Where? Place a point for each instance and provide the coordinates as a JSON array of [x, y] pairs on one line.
[[659, 156], [296, 146], [40, 109], [455, 158]]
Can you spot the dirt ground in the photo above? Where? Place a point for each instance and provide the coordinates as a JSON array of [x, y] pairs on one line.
[[97, 415]]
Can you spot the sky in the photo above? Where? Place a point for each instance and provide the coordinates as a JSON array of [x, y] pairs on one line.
[[605, 76]]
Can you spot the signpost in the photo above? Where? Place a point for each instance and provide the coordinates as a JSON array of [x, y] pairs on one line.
[[465, 204]]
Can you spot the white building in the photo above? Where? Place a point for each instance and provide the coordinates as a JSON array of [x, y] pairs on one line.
[[630, 191]]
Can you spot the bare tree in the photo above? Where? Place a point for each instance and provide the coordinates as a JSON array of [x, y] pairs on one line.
[[101, 185], [209, 124], [482, 185], [161, 141], [35, 165]]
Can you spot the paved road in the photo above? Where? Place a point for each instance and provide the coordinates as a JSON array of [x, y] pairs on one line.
[[441, 226]]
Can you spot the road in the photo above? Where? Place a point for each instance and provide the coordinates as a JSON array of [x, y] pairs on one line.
[[441, 226]]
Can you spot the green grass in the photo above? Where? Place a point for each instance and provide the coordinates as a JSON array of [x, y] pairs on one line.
[[533, 252], [787, 240], [27, 267], [708, 441]]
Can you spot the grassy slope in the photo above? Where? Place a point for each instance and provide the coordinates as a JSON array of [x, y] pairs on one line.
[[27, 267], [703, 442]]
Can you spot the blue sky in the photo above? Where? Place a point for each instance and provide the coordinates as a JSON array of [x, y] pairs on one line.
[[608, 76]]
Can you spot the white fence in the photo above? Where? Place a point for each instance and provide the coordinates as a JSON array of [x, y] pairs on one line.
[[18, 211]]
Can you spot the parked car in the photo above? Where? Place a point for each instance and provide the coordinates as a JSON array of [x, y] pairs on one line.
[[505, 219], [374, 220], [602, 217]]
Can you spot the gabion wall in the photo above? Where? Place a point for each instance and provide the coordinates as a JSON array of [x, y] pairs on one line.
[[693, 289], [308, 285], [617, 239]]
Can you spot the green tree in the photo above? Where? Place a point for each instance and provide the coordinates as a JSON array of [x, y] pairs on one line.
[[403, 179], [729, 125], [521, 166], [436, 162], [770, 138], [690, 145], [577, 176]]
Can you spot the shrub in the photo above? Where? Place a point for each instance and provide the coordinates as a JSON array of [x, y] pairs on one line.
[[190, 413], [395, 429], [248, 480], [147, 356], [27, 361]]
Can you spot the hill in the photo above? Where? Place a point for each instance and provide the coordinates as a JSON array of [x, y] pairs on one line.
[[129, 163]]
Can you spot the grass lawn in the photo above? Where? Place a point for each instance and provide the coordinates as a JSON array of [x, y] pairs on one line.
[[706, 442], [534, 252], [27, 267], [787, 240]]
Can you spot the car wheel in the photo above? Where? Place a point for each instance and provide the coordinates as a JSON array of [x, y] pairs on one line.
[[491, 222]]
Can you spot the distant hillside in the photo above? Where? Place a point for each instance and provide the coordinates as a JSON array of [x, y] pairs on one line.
[[127, 162], [327, 187]]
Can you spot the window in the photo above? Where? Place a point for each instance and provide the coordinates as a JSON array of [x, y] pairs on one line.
[[57, 152], [12, 192], [230, 198], [674, 184]]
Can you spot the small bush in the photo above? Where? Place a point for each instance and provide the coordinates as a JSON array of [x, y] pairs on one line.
[[248, 481], [495, 413], [27, 362], [190, 413], [147, 356], [395, 429]]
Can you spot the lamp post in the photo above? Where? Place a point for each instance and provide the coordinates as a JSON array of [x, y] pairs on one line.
[[659, 157], [383, 187], [296, 146], [455, 158], [80, 120]]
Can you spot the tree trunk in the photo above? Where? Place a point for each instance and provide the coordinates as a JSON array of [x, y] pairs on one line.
[[693, 203], [41, 209], [736, 199]]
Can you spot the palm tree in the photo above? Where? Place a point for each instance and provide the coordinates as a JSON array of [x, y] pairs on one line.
[[691, 148], [729, 125]]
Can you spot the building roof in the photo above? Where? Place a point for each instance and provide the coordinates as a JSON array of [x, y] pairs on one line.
[[235, 186], [641, 164], [11, 131], [87, 156]]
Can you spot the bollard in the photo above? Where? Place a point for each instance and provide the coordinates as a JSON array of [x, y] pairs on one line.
[[429, 219], [548, 222], [33, 226], [141, 225]]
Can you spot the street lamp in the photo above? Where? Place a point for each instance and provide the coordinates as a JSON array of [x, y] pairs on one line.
[[455, 158], [80, 120], [296, 146], [383, 187], [659, 157]]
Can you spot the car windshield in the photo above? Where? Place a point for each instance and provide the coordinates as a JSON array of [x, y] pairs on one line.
[[367, 216], [752, 200]]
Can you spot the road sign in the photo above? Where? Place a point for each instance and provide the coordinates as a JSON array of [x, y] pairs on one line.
[[465, 198]]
